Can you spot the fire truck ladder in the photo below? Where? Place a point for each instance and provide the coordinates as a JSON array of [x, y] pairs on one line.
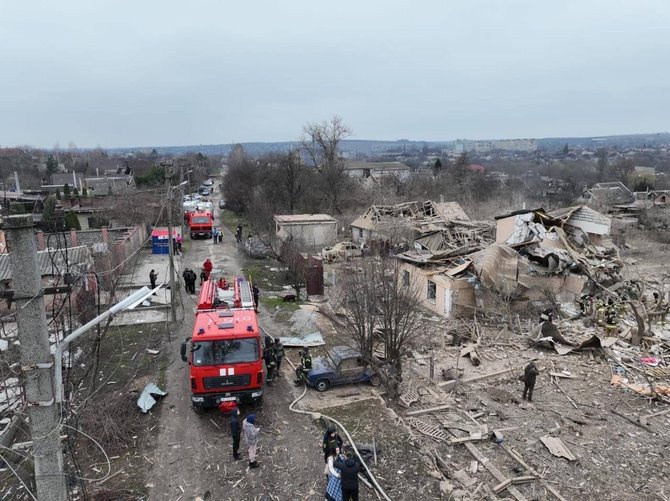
[[243, 296]]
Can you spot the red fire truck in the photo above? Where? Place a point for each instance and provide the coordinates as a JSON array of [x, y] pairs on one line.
[[226, 348], [200, 224]]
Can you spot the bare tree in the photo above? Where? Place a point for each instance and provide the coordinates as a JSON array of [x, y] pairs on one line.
[[322, 142], [292, 179], [380, 301], [623, 169], [601, 155]]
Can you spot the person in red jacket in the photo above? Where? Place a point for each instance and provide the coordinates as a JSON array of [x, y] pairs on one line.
[[207, 266]]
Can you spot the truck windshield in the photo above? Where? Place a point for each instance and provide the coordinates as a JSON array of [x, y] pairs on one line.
[[225, 352], [200, 220]]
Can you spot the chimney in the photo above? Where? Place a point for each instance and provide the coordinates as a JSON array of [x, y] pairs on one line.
[[73, 238], [105, 235]]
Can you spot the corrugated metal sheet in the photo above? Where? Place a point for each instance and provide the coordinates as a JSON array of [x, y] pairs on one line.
[[52, 262]]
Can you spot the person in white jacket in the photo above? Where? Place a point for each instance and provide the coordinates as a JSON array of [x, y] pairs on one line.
[[334, 484], [251, 438]]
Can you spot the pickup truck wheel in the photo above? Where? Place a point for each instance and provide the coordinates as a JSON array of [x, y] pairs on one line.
[[375, 380], [322, 385]]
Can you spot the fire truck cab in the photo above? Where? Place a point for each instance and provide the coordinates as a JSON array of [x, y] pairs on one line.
[[200, 224]]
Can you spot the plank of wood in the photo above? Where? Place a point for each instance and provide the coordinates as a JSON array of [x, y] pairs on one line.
[[426, 411], [560, 374], [524, 479], [497, 474], [502, 486], [517, 457]]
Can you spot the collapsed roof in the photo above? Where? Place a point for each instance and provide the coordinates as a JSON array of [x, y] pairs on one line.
[[442, 228]]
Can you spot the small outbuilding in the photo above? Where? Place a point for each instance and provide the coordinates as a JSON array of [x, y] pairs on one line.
[[308, 232]]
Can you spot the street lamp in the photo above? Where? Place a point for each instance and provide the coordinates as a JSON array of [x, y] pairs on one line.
[[129, 303]]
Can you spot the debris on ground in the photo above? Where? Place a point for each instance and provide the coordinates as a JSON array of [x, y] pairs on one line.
[[146, 400]]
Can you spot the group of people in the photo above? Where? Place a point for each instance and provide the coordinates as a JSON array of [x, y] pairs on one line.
[[273, 355], [250, 431], [189, 280], [217, 235], [341, 469]]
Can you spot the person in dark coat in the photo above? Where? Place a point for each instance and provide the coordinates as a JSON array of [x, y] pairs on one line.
[[194, 277], [235, 432], [530, 374], [279, 352], [331, 441], [256, 292], [270, 362], [153, 276], [349, 469]]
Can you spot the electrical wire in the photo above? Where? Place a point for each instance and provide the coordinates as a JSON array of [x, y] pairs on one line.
[[109, 463], [20, 479]]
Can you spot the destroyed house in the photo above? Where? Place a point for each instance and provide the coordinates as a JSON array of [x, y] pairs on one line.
[[607, 194], [407, 221], [536, 253], [376, 171]]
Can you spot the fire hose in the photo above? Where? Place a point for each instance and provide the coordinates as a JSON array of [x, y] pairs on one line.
[[351, 440]]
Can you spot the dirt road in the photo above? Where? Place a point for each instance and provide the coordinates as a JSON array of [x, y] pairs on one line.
[[192, 453]]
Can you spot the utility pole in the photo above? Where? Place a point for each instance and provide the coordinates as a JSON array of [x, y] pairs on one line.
[[173, 289], [36, 359]]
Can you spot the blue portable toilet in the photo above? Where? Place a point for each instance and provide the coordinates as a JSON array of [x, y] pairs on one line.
[[160, 241]]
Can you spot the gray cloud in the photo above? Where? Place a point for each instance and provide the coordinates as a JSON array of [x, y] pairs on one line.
[[166, 72]]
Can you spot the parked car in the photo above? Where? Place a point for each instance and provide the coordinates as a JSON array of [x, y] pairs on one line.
[[205, 192], [341, 365], [209, 182], [222, 204], [341, 250]]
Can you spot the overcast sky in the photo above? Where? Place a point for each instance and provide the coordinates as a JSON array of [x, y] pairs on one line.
[[141, 72]]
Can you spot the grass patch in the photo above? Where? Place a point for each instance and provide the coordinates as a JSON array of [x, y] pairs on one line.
[[261, 273]]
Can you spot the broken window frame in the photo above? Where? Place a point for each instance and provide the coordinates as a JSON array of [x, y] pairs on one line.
[[431, 291]]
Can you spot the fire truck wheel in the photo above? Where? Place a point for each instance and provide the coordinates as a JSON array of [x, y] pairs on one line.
[[322, 385]]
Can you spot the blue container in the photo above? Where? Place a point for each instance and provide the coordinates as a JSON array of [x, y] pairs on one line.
[[159, 245]]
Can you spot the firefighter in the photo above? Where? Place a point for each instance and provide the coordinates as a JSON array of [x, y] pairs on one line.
[[611, 317], [256, 293], [279, 352], [331, 441], [547, 316], [270, 362], [305, 366], [238, 234], [585, 304], [601, 310], [207, 267]]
